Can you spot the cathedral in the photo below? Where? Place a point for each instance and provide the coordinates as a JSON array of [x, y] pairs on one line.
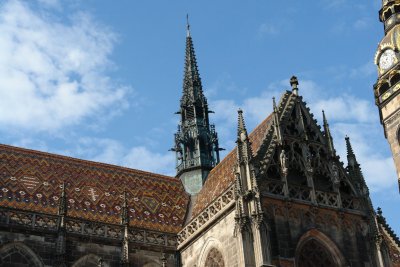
[[281, 197]]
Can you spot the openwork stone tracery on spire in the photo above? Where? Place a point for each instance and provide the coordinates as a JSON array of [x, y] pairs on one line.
[[196, 141]]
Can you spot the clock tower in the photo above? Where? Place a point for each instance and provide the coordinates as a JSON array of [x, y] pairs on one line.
[[386, 89]]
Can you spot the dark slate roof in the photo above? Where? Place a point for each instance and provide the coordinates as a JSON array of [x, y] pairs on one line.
[[32, 180]]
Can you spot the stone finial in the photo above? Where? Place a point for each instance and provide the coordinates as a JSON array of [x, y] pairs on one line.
[[294, 83], [187, 26], [242, 132], [328, 135]]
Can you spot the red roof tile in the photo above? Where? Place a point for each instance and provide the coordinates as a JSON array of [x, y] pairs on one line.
[[31, 180], [222, 176]]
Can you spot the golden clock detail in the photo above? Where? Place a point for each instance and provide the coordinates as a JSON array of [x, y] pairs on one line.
[[386, 95]]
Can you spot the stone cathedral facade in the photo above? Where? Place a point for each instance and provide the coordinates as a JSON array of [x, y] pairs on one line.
[[281, 197]]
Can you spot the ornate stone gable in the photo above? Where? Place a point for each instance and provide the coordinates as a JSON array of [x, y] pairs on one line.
[[296, 148]]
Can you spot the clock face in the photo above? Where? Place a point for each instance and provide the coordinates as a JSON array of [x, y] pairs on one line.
[[387, 59]]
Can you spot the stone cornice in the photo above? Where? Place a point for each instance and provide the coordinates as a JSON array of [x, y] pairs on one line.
[[211, 213], [39, 222]]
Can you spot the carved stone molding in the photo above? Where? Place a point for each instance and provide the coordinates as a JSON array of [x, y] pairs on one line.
[[206, 217], [38, 222]]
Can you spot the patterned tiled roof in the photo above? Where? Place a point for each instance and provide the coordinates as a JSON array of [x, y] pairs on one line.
[[222, 176], [32, 180]]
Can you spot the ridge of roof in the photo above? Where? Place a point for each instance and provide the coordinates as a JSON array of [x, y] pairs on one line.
[[90, 163]]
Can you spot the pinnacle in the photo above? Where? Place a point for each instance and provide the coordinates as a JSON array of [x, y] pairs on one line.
[[274, 104], [328, 135], [349, 148], [241, 124], [324, 118]]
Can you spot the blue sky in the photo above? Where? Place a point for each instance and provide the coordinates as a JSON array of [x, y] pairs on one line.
[[101, 80]]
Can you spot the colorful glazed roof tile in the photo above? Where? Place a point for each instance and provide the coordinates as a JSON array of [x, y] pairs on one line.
[[32, 180], [222, 176]]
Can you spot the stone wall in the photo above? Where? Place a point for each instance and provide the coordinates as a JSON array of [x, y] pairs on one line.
[[346, 233], [220, 236], [29, 250]]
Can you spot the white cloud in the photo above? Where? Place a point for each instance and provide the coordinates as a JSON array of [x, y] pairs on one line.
[[365, 70], [113, 152], [345, 108], [50, 3], [53, 73], [268, 29], [362, 23]]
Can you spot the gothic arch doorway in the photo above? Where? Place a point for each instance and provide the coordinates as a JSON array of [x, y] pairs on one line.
[[315, 249], [214, 259], [18, 254]]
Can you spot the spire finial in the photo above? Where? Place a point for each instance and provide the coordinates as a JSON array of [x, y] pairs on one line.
[[350, 151], [294, 83], [241, 125], [328, 135], [187, 26], [244, 151]]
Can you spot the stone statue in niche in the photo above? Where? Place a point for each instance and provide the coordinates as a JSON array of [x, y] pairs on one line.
[[335, 174], [307, 158], [284, 162]]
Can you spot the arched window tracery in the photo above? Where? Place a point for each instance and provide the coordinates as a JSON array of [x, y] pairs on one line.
[[89, 260], [314, 254], [18, 254], [214, 259]]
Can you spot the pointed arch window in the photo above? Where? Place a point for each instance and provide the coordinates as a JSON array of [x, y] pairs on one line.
[[214, 259], [18, 254], [314, 254]]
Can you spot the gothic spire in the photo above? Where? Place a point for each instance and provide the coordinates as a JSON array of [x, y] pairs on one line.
[[354, 169], [196, 141], [192, 87], [244, 151], [328, 135], [351, 157], [241, 125], [277, 125]]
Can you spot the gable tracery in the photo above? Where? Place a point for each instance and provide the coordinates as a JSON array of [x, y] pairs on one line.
[[301, 162]]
